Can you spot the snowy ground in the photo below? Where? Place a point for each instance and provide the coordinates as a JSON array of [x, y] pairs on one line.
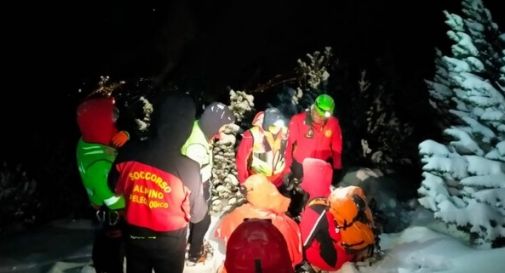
[[65, 246], [424, 247]]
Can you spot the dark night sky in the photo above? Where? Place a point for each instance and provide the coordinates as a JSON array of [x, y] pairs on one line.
[[52, 50]]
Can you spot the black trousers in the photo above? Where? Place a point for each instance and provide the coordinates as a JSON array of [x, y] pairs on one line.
[[297, 198], [197, 232], [161, 253], [108, 246], [297, 169]]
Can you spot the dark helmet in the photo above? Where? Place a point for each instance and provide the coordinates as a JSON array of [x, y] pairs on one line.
[[214, 117], [273, 117], [257, 245]]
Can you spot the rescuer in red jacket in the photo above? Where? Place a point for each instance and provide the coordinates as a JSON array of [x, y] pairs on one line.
[[315, 133], [262, 149], [322, 241], [162, 189]]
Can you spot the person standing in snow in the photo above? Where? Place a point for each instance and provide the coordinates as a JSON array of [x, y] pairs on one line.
[[162, 189], [96, 151], [314, 133], [263, 148], [321, 239], [198, 147]]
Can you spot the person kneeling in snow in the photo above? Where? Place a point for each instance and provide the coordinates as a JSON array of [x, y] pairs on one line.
[[256, 245], [336, 227], [321, 240], [264, 202]]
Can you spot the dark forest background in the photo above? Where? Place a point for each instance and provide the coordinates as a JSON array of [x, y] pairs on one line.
[[51, 51]]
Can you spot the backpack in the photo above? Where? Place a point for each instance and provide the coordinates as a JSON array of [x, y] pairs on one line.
[[354, 219]]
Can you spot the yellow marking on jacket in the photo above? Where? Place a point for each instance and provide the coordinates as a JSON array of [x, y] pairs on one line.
[[150, 177]]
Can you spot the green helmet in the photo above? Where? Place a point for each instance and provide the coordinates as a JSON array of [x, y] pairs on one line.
[[324, 105]]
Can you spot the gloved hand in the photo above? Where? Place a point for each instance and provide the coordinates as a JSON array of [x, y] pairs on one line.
[[120, 138], [298, 185], [286, 179], [292, 184], [287, 182]]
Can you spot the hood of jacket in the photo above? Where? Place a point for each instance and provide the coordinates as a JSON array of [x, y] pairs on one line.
[[173, 119], [261, 193], [95, 120], [317, 176], [214, 117]]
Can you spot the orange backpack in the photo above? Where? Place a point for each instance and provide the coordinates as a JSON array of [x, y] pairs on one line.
[[353, 218]]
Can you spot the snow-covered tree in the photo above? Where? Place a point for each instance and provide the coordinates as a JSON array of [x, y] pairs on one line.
[[311, 80], [440, 90], [485, 36], [314, 76], [241, 104], [225, 186], [464, 179], [485, 42], [135, 106]]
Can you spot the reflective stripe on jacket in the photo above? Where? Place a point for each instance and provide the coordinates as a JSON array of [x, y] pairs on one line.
[[94, 162], [198, 149], [268, 153]]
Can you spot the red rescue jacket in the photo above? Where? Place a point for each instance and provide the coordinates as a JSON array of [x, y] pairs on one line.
[[264, 202], [320, 239], [243, 160], [324, 141], [153, 196]]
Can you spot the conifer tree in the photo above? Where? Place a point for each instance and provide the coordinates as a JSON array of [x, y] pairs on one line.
[[464, 178], [225, 187]]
